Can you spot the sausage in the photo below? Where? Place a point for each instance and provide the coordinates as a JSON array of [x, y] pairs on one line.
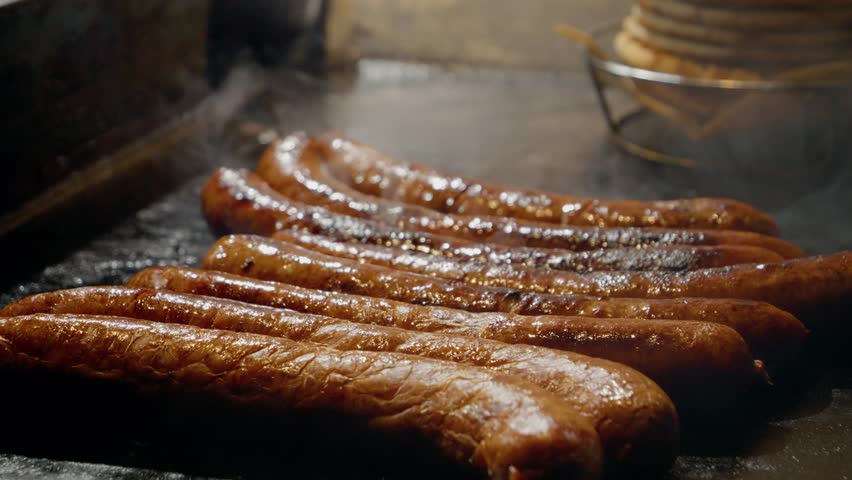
[[470, 414], [771, 333], [725, 366], [271, 259], [777, 340], [241, 202], [374, 173], [297, 167], [692, 393], [666, 258], [642, 344], [797, 284], [636, 421]]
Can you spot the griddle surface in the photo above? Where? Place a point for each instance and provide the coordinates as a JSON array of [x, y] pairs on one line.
[[532, 129]]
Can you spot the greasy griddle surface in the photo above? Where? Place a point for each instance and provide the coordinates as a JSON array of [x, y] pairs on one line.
[[535, 129]]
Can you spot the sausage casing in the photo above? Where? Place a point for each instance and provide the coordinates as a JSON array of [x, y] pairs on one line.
[[374, 173], [666, 258], [648, 346], [770, 331], [270, 259], [237, 201], [297, 167], [391, 392], [797, 285], [636, 421]]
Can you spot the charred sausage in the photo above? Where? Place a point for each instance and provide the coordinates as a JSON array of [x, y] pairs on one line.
[[668, 258], [645, 345], [795, 285], [776, 339], [270, 259], [636, 421], [374, 173], [471, 414], [777, 335], [241, 202], [297, 167]]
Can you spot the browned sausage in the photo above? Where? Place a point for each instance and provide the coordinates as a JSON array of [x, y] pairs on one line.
[[777, 335], [297, 167], [502, 425], [666, 258], [373, 173], [646, 345], [271, 259], [636, 421], [796, 284], [241, 202]]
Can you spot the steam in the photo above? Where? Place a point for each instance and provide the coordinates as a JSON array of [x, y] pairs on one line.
[[819, 220]]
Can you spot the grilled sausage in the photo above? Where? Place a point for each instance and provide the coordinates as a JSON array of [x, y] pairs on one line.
[[297, 167], [668, 258], [797, 284], [775, 282], [373, 173], [241, 202], [778, 341], [501, 425], [773, 332], [636, 421], [645, 345]]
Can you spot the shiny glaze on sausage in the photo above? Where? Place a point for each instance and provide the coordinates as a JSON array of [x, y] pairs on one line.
[[775, 334], [374, 173], [776, 339], [509, 429], [297, 167], [636, 421], [236, 201], [268, 259], [797, 284], [668, 352], [669, 258]]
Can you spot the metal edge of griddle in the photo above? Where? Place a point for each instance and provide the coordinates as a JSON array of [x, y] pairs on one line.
[[113, 186], [204, 116], [18, 467], [104, 170]]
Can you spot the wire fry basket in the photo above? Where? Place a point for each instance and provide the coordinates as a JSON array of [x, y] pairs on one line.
[[797, 128]]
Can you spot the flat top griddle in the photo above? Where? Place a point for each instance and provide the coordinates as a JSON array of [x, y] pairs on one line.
[[533, 129]]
